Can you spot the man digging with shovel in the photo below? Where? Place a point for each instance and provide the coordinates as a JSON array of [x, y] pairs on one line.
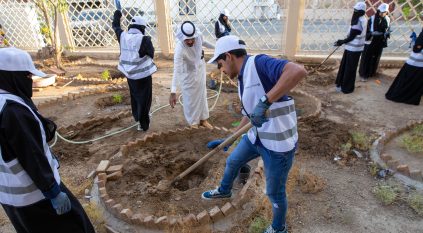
[[263, 84]]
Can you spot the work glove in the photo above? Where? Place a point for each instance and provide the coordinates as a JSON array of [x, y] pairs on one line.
[[215, 143], [338, 43], [387, 35], [61, 203], [118, 6], [258, 117]]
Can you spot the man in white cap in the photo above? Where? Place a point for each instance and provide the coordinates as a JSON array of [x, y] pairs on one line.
[[136, 63], [190, 74], [354, 45], [377, 36], [31, 193], [263, 86], [222, 27]]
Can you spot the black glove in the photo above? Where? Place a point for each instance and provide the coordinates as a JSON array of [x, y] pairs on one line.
[[339, 43]]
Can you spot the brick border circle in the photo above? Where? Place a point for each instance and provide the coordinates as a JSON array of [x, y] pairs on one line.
[[203, 217], [403, 173]]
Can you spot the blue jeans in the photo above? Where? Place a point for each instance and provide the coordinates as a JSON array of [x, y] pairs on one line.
[[276, 169]]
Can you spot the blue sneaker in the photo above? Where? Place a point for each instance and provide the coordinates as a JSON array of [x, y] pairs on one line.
[[215, 193], [271, 230]]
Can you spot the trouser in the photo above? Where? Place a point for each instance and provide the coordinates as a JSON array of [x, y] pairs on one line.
[[41, 217], [347, 71], [141, 91], [276, 168]]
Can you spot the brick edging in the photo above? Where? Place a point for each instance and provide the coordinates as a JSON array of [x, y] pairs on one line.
[[203, 217], [73, 95], [386, 160]]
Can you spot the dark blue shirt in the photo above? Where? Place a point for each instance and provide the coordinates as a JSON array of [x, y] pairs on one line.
[[269, 70]]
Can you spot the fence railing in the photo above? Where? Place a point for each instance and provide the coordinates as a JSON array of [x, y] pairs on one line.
[[288, 27]]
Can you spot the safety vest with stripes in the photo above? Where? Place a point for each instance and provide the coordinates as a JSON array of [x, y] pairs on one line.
[[415, 59], [357, 45], [279, 134], [130, 63], [16, 187]]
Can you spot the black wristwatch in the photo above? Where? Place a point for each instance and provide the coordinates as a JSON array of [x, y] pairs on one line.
[[265, 100]]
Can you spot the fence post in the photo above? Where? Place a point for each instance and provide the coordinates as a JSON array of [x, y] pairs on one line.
[[164, 26], [65, 32], [294, 27]]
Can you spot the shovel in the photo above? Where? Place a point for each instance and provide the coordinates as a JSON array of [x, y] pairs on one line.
[[165, 184], [315, 69]]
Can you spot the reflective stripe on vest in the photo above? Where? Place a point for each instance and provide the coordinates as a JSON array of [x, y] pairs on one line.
[[415, 59], [280, 132], [16, 187], [130, 63], [357, 45]]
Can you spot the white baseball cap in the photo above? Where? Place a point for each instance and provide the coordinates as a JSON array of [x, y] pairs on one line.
[[13, 59], [225, 12], [226, 44], [138, 20], [360, 6], [383, 8]]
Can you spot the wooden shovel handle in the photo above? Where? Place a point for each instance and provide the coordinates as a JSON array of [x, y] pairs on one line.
[[227, 142]]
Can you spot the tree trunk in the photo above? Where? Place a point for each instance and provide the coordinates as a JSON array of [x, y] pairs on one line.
[[42, 5], [57, 45]]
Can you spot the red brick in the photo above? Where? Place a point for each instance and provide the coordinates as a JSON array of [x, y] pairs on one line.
[[110, 203], [117, 208], [203, 217], [102, 167], [190, 220], [115, 176], [227, 209], [404, 169], [149, 221], [113, 169], [215, 214], [161, 222], [137, 219], [386, 157], [102, 176], [102, 191], [126, 214]]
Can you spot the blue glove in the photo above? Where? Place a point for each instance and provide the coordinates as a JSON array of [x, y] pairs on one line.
[[214, 143], [258, 117], [118, 6], [61, 203]]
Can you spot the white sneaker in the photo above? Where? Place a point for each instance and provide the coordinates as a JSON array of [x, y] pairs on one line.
[[139, 127], [363, 79], [338, 89]]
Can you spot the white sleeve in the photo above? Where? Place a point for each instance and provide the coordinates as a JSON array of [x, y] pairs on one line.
[[178, 65]]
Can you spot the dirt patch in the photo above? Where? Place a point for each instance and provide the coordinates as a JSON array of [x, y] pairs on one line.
[[163, 159], [321, 79], [117, 99], [321, 137]]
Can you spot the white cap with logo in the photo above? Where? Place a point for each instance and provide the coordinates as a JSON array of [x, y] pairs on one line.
[[13, 59], [226, 44], [360, 6], [383, 8], [138, 20]]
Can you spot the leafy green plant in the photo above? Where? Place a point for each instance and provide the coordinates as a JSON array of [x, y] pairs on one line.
[[415, 201], [105, 75], [387, 194], [258, 225], [117, 98]]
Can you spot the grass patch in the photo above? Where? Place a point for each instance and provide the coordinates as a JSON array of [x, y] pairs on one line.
[[258, 225], [117, 98], [373, 169], [95, 216], [413, 141], [415, 201], [387, 194], [105, 75], [360, 140]]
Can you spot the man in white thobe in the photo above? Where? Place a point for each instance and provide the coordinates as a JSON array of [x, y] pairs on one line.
[[190, 74]]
